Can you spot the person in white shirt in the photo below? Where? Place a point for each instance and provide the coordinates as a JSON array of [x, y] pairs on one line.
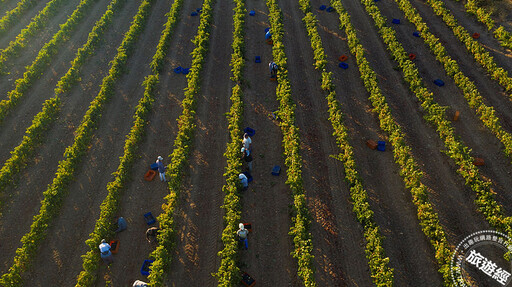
[[244, 180], [106, 255], [242, 235], [247, 142]]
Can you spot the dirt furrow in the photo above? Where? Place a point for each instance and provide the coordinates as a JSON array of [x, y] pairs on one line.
[[23, 21], [89, 189], [141, 196], [473, 133], [266, 204], [25, 197], [451, 199], [15, 124], [199, 216]]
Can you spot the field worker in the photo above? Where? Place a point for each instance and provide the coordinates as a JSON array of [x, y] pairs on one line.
[[242, 235], [106, 255], [244, 180], [161, 168], [121, 224], [268, 35], [247, 157], [247, 142], [272, 66], [139, 283], [151, 234]]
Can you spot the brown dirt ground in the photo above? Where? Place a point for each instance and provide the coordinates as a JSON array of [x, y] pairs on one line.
[[337, 236], [14, 126], [266, 204]]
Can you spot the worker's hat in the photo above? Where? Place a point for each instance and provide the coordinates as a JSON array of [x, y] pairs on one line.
[[160, 158], [241, 225]]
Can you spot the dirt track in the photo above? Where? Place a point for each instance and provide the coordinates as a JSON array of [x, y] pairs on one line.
[[337, 236]]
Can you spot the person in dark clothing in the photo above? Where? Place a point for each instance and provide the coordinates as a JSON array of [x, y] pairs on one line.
[[151, 234], [161, 168]]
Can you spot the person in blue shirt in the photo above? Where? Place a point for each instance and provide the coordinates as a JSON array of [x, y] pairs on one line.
[[121, 224], [161, 168], [106, 255], [244, 180]]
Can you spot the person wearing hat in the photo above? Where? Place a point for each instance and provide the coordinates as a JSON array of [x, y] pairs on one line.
[[161, 168], [244, 180], [242, 235], [106, 255], [151, 234], [246, 155]]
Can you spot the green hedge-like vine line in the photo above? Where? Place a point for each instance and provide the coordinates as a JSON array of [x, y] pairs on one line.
[[103, 227], [13, 15], [43, 59], [54, 195], [409, 169], [435, 114], [163, 253], [229, 272], [381, 273], [468, 88], [485, 17], [480, 55], [291, 144], [37, 23], [35, 133]]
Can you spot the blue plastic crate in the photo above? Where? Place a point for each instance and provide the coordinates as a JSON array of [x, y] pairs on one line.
[[146, 267], [150, 219], [257, 59], [185, 71], [276, 170], [178, 70], [439, 82], [396, 21], [329, 9], [322, 7], [252, 13], [381, 145], [343, 65], [194, 13], [249, 131], [198, 10], [416, 34]]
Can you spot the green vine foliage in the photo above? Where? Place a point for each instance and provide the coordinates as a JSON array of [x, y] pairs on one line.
[[166, 238], [108, 208], [479, 53], [381, 273], [229, 271], [35, 133], [409, 169], [54, 195], [301, 218]]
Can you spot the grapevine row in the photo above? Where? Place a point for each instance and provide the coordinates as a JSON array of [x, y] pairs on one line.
[[474, 47], [381, 273], [455, 149], [43, 59], [484, 16], [229, 273], [163, 253], [409, 168], [291, 144], [14, 15], [468, 88], [37, 23], [54, 195], [109, 206], [34, 135]]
